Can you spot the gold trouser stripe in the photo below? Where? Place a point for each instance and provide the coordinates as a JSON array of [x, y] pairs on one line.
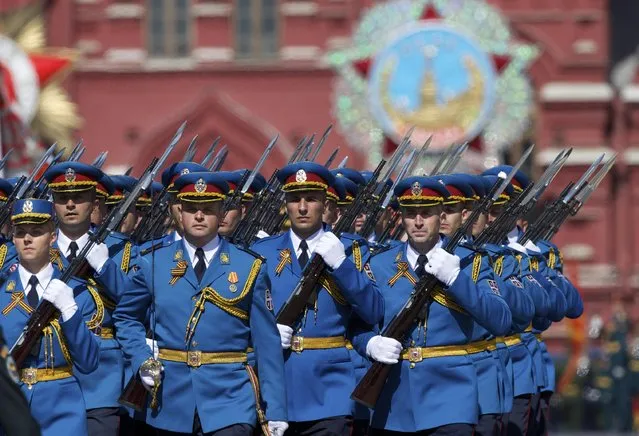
[[107, 333], [32, 376], [197, 358], [300, 343], [509, 341]]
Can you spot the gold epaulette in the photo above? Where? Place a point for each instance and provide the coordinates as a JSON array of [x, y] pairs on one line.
[[3, 254], [357, 255], [498, 267], [126, 257], [98, 317], [476, 267]]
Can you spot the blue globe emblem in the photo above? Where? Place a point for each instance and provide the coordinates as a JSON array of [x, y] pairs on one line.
[[435, 78]]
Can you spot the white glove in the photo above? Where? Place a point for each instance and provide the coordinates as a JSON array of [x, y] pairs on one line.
[[98, 256], [61, 296], [517, 247], [331, 249], [530, 245], [383, 349], [443, 265], [262, 234], [153, 345], [147, 378], [286, 335], [277, 428]]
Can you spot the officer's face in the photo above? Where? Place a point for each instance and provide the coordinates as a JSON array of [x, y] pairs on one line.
[[421, 224], [230, 221], [331, 212], [176, 213], [99, 213], [130, 221], [33, 241], [480, 224], [74, 208], [201, 220], [451, 218], [359, 222], [494, 212], [305, 210]]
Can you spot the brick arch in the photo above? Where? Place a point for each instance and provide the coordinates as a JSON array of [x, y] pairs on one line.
[[213, 114]]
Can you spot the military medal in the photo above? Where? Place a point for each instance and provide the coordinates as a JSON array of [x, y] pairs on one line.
[[233, 280], [402, 271], [178, 271]]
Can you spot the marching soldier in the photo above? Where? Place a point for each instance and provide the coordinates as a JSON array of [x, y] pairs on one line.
[[319, 369], [48, 377], [75, 189], [423, 392], [217, 293], [494, 379], [233, 216]]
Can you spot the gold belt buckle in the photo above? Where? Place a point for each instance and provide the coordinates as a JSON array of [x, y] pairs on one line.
[[297, 344], [30, 376], [415, 355], [194, 358]]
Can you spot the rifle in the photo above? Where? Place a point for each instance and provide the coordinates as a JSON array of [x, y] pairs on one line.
[[579, 199], [209, 154], [5, 159], [370, 386], [331, 158], [46, 311], [559, 207], [296, 302]]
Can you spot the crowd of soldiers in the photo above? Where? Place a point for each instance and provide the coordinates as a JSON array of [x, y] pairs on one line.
[[318, 302]]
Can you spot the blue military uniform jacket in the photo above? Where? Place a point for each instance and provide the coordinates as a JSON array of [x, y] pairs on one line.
[[103, 387], [234, 302], [319, 381], [426, 394], [57, 405]]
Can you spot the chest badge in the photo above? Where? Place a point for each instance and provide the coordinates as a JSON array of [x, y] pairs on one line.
[[233, 279], [11, 286], [224, 258]]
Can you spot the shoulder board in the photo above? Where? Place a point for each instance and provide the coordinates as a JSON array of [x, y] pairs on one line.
[[154, 247], [268, 238], [251, 252], [380, 249]]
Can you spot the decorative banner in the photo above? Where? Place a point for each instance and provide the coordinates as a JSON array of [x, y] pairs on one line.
[[449, 68], [33, 105]]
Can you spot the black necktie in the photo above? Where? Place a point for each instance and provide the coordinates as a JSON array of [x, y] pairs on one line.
[[421, 263], [303, 258], [200, 266], [73, 248], [32, 295]]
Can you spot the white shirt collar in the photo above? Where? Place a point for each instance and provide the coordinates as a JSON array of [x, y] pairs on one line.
[[513, 235], [311, 241], [64, 241], [210, 249], [44, 277], [176, 236], [412, 254]]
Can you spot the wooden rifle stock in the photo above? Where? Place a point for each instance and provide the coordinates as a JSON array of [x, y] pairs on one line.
[[134, 394]]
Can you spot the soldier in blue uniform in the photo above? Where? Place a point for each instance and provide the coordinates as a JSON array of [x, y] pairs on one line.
[[74, 186], [319, 370], [6, 188], [494, 380], [217, 294], [233, 216], [8, 254], [49, 375], [433, 389]]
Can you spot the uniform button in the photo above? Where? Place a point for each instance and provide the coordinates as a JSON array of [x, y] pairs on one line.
[[194, 343]]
